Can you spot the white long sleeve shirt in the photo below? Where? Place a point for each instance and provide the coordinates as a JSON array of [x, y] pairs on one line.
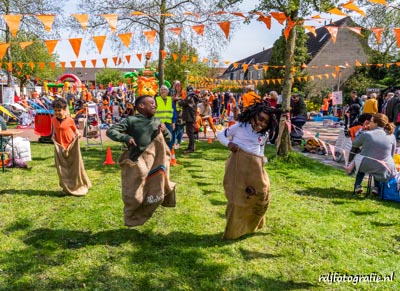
[[245, 137]]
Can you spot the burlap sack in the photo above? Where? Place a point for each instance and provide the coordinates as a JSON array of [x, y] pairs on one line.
[[246, 187], [145, 183], [70, 169]]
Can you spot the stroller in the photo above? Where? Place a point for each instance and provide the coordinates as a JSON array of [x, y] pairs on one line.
[[296, 133]]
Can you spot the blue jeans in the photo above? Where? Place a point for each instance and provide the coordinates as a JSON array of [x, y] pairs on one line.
[[360, 177], [178, 134], [169, 127]]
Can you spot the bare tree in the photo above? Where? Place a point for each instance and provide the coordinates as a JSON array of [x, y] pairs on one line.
[[160, 15]]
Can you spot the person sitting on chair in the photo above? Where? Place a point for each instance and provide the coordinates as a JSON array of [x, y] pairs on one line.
[[378, 146]]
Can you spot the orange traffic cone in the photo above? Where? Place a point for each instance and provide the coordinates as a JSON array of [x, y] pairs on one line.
[[109, 159], [173, 159], [210, 140]]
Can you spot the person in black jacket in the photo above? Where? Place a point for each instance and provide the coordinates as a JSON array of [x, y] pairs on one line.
[[189, 108], [354, 109]]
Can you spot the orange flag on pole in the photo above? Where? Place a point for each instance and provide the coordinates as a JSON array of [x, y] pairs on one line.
[[13, 22], [76, 45], [47, 21]]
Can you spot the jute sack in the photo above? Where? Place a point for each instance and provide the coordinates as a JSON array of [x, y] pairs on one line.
[[145, 183], [246, 186], [70, 169]]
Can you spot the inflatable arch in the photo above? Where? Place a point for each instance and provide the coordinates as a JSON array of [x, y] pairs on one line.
[[71, 76]]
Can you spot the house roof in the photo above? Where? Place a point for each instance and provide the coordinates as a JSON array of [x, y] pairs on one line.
[[314, 45]]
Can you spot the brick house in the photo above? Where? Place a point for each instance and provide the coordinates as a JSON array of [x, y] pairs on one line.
[[347, 49]]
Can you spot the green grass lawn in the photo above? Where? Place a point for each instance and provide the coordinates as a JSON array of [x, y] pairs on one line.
[[315, 225]]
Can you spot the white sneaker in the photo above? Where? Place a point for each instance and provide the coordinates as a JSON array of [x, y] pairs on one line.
[[375, 190], [359, 189]]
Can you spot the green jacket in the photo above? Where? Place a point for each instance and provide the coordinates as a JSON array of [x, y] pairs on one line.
[[142, 129]]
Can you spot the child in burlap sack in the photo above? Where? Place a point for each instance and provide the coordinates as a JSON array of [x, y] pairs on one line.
[[248, 195], [70, 169]]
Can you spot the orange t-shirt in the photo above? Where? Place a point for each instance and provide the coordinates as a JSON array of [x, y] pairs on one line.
[[65, 131]]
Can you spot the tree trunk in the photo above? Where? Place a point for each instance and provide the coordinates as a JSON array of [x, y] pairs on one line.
[[162, 43], [283, 141]]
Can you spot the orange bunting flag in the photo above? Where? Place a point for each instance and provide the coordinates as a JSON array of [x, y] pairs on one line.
[[83, 19], [245, 66], [76, 45], [99, 41], [311, 29], [126, 38], [199, 29], [356, 30], [225, 26], [226, 62], [194, 60], [50, 44], [20, 65], [289, 25], [112, 20], [235, 65], [357, 64], [138, 13], [32, 65], [139, 56], [94, 62], [256, 67], [13, 22], [9, 66], [47, 21], [397, 34], [378, 33], [163, 54], [266, 20], [215, 61], [174, 56], [192, 13], [73, 64], [265, 68], [24, 44], [205, 60], [148, 55], [383, 2], [83, 63], [333, 30], [279, 16], [176, 30], [150, 35], [240, 14], [184, 58], [105, 60], [115, 59], [62, 64], [128, 58], [351, 6], [336, 11]]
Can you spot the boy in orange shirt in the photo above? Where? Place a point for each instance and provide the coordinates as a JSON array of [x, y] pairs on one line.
[[68, 160]]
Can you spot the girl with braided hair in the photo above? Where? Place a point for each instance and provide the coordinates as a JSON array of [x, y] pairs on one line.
[[246, 183]]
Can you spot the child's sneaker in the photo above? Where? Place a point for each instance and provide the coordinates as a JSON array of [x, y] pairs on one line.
[[375, 191], [359, 189]]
